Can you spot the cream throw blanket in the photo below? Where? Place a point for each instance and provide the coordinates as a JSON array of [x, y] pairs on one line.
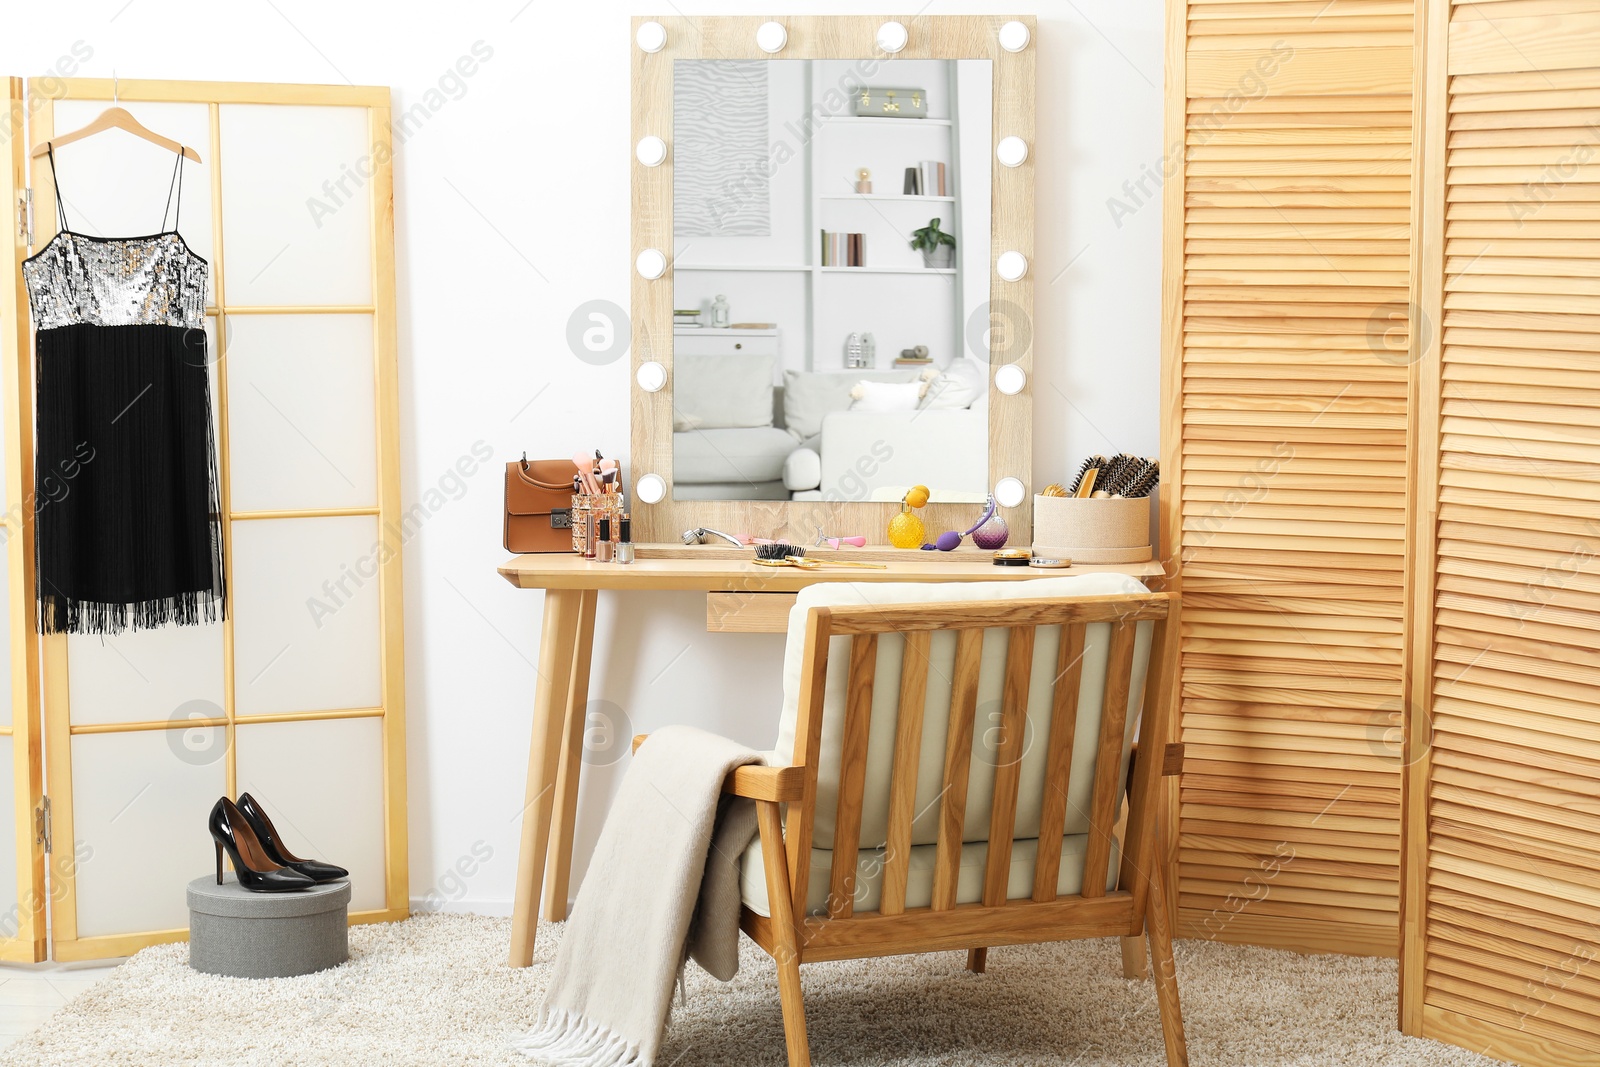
[[651, 892]]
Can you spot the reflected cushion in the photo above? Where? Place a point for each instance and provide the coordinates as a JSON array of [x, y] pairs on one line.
[[880, 397], [957, 386], [809, 397]]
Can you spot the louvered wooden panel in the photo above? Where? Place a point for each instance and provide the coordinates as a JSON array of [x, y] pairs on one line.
[[1287, 432], [1507, 950]]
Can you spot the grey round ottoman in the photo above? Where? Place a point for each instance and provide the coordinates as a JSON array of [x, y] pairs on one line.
[[267, 935]]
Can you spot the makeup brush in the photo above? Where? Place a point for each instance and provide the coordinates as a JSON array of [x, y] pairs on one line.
[[585, 467]]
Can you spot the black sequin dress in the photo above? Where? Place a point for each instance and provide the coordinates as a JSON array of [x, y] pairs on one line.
[[126, 501]]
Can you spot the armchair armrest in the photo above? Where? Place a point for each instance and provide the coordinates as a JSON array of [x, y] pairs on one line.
[[1171, 761], [758, 782], [767, 783]]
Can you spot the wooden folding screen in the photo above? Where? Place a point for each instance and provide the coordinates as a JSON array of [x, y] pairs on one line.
[[1382, 396], [298, 695], [1502, 951], [1288, 201]]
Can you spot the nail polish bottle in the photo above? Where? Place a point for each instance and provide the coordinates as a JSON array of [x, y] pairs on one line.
[[602, 547], [624, 553]]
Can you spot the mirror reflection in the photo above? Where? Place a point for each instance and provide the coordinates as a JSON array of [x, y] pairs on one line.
[[831, 278]]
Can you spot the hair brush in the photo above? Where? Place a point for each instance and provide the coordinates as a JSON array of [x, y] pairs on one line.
[[1114, 476], [781, 553], [1088, 464], [1142, 481]]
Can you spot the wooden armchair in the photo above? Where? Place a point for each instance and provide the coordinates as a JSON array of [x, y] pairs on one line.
[[886, 806]]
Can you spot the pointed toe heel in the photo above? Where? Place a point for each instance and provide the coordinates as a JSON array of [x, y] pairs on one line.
[[272, 841], [254, 868]]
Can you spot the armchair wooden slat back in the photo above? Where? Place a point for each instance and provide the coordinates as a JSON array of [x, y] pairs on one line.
[[953, 918], [1058, 760]]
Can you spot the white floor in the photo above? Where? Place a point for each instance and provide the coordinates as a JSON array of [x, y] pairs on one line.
[[31, 993]]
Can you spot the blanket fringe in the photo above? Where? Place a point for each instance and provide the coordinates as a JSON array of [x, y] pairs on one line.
[[567, 1039]]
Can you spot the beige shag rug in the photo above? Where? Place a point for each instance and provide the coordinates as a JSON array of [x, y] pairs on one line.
[[436, 990]]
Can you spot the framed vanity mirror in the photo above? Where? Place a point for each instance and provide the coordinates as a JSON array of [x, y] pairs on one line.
[[832, 225]]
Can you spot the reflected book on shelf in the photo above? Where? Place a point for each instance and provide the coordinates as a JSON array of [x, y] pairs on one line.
[[926, 179], [843, 249]]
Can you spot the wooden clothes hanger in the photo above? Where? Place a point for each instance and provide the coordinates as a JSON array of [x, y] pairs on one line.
[[116, 118]]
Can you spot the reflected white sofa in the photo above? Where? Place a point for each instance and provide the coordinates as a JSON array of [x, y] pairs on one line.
[[737, 437], [728, 440], [862, 452]]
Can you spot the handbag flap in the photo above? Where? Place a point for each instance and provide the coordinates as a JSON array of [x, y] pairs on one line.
[[538, 486]]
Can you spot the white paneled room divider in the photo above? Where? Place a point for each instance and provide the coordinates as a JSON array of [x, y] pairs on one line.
[[297, 697]]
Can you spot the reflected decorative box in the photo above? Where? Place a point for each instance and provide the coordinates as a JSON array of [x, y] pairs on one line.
[[1092, 530], [881, 102]]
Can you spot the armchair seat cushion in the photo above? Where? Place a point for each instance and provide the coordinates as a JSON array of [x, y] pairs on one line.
[[980, 789], [919, 874]]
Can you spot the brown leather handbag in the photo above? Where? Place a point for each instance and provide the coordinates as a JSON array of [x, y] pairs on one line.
[[539, 505]]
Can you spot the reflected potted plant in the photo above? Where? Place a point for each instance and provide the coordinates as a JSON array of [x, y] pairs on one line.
[[937, 247]]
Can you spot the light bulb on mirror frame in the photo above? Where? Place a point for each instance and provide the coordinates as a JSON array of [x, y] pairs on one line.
[[892, 37], [1011, 151], [651, 264], [1009, 492], [1010, 379], [651, 151], [651, 376], [1014, 36], [650, 488], [1012, 266], [652, 37], [771, 37]]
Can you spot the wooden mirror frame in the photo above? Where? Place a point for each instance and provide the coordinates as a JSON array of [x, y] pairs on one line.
[[1011, 229]]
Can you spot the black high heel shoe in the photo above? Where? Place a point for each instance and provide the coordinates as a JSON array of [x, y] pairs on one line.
[[316, 870], [255, 869]]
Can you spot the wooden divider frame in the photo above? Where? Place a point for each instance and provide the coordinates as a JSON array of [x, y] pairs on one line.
[[1501, 847], [28, 944], [1288, 404], [65, 942]]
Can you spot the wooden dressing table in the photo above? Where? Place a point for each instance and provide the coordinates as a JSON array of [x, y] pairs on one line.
[[740, 597]]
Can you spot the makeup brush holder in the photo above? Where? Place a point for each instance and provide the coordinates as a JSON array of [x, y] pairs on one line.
[[587, 511], [1091, 530]]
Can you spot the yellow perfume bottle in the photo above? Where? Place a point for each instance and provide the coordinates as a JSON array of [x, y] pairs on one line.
[[906, 529]]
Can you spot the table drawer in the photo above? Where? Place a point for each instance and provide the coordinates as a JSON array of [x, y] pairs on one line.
[[687, 343], [748, 613]]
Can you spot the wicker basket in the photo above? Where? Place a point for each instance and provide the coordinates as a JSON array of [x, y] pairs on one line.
[[1090, 530]]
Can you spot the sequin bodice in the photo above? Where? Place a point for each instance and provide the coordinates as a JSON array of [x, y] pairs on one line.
[[117, 281]]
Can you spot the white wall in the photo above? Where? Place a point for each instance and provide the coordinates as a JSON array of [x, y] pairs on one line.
[[512, 211]]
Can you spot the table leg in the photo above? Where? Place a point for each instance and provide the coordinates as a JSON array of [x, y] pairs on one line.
[[558, 861], [557, 642], [1135, 966]]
